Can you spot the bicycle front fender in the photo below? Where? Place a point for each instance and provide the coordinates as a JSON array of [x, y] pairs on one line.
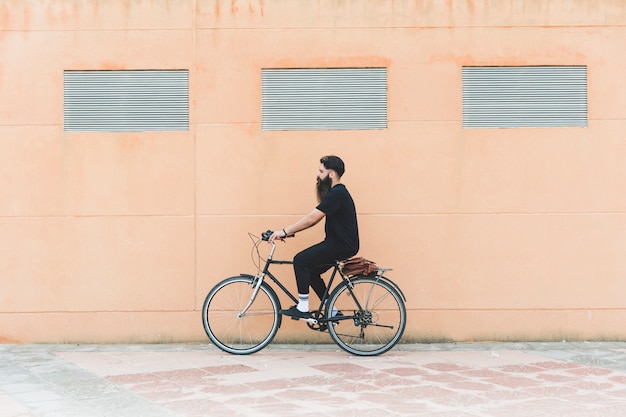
[[247, 275]]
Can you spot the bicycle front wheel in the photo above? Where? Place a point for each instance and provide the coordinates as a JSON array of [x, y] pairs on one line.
[[372, 319], [229, 327]]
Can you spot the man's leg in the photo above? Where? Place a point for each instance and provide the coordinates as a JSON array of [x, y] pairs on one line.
[[317, 283], [308, 265]]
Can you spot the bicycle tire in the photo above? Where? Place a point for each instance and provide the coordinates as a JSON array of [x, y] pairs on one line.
[[232, 333], [376, 326]]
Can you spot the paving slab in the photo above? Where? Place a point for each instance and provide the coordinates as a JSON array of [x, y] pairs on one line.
[[580, 379]]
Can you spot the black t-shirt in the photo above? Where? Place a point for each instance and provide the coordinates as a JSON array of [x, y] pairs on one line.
[[342, 231]]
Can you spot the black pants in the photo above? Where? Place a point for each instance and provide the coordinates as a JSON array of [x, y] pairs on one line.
[[312, 262]]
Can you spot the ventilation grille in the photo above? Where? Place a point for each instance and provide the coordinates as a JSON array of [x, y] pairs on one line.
[[126, 101], [324, 99], [532, 96]]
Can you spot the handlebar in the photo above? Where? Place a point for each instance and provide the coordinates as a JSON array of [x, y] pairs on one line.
[[265, 236]]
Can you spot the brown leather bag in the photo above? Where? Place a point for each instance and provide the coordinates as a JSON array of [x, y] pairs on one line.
[[358, 266]]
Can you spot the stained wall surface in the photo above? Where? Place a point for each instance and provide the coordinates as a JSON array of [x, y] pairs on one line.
[[493, 234]]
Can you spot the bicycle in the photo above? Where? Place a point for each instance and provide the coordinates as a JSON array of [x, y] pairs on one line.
[[241, 314]]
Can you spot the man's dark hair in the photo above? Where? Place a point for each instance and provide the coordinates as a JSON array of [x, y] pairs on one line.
[[335, 163]]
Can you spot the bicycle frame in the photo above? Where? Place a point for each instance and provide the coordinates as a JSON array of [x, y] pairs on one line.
[[259, 279]]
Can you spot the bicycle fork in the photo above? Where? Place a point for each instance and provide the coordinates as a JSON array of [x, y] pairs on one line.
[[256, 285]]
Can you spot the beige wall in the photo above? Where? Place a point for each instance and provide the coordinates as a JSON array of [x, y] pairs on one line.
[[498, 234]]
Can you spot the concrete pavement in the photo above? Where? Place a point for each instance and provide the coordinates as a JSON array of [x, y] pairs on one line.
[[460, 380]]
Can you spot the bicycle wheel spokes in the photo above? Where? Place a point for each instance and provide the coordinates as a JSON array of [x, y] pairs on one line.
[[233, 330], [374, 324]]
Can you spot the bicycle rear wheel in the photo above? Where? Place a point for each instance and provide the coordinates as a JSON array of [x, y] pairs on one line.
[[230, 329], [373, 316]]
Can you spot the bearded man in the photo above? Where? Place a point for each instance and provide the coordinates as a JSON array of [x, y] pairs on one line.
[[342, 234]]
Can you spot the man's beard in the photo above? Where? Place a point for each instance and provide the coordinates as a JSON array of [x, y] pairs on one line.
[[323, 187]]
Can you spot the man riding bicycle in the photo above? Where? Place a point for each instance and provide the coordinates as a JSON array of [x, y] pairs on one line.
[[341, 240]]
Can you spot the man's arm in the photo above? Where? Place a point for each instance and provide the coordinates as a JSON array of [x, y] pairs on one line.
[[305, 222]]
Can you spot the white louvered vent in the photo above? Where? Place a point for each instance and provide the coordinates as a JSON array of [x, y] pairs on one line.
[[324, 99], [525, 96], [126, 101]]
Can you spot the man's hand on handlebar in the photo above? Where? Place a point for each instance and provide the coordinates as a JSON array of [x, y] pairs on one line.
[[272, 236]]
